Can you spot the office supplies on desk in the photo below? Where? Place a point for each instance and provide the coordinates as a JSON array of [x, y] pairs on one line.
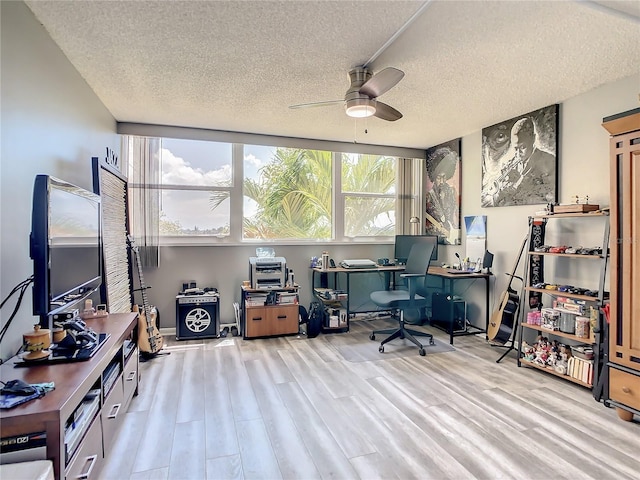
[[358, 263], [456, 271]]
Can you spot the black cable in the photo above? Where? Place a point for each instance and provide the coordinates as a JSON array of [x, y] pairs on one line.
[[22, 287]]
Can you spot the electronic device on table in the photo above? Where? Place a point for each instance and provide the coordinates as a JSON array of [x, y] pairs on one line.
[[405, 242], [267, 272], [65, 245], [358, 263]]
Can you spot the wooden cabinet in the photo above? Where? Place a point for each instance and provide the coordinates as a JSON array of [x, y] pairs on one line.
[[624, 326], [110, 377], [571, 304], [270, 313], [271, 320]]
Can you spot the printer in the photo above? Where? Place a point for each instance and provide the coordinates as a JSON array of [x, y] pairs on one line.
[[267, 272]]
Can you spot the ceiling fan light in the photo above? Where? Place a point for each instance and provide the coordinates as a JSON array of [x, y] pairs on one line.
[[360, 109]]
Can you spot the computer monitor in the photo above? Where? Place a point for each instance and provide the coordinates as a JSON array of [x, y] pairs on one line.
[[405, 242]]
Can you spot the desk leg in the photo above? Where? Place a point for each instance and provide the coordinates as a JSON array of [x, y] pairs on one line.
[[348, 300], [451, 312], [486, 308]]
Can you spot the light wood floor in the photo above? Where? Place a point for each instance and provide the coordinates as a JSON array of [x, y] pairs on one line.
[[293, 408]]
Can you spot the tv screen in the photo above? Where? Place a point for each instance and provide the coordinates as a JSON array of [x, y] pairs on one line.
[[405, 242], [65, 245]]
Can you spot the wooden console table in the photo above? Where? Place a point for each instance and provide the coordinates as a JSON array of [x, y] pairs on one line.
[[73, 381]]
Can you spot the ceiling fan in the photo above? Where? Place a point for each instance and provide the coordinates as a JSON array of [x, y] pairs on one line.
[[361, 99]]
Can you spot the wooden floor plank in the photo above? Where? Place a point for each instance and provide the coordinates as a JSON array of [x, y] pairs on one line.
[[188, 451]]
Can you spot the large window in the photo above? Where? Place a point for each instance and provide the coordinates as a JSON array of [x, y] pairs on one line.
[[216, 192]]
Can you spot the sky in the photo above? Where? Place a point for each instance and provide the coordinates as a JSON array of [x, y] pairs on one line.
[[203, 163]]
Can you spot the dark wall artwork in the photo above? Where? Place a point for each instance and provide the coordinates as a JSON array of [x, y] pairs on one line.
[[443, 192], [520, 160]]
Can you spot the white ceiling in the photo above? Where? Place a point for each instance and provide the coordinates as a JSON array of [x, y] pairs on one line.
[[238, 65]]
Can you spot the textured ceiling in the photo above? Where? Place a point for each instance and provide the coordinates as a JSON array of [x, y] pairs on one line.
[[238, 65]]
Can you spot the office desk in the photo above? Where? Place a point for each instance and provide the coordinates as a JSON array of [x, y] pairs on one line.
[[348, 272], [447, 284], [447, 281]]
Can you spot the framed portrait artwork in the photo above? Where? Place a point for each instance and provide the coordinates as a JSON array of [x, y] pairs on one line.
[[520, 160], [443, 173]]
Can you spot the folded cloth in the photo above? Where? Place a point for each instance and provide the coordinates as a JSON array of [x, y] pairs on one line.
[[18, 387]]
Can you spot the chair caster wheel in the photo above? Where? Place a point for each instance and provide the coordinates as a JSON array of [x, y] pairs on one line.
[[422, 352], [432, 342], [381, 348], [372, 336]]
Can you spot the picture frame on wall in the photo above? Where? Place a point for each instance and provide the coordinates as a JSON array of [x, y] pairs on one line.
[[520, 160], [443, 182]]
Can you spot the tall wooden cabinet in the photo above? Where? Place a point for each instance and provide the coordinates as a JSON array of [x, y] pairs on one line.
[[624, 327]]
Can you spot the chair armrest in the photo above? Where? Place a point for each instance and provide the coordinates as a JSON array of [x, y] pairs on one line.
[[412, 282]]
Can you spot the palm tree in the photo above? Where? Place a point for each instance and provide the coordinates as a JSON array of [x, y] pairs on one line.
[[369, 215], [293, 194]]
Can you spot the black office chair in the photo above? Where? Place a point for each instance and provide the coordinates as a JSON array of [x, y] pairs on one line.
[[409, 302]]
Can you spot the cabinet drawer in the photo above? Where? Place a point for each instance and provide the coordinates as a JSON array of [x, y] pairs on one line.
[[112, 414], [87, 461], [130, 378], [283, 319], [271, 320], [256, 323], [624, 388]]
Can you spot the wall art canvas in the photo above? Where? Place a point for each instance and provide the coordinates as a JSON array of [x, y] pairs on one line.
[[520, 160], [443, 169]]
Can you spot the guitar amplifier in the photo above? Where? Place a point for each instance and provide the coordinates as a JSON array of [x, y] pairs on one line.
[[197, 316], [448, 312]]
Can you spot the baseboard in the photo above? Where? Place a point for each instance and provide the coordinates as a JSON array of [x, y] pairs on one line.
[[168, 332]]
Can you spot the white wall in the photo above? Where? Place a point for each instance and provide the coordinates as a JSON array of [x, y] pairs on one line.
[[52, 123]]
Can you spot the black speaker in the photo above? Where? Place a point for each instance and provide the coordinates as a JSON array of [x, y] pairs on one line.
[[197, 316]]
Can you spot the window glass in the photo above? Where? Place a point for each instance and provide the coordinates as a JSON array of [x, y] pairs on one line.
[[369, 185], [194, 213], [287, 193], [369, 174], [194, 162], [369, 216], [198, 167]]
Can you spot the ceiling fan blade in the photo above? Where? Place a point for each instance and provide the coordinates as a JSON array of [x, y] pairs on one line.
[[381, 82], [386, 112], [317, 104]]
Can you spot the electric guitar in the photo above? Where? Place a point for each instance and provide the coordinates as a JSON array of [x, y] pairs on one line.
[[502, 320], [150, 341]]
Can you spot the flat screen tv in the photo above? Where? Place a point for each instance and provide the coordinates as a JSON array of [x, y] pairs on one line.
[[405, 242], [65, 245]]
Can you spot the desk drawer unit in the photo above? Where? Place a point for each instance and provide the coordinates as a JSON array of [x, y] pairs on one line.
[[624, 388], [271, 320]]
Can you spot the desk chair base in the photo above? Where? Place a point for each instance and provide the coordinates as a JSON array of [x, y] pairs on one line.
[[402, 332]]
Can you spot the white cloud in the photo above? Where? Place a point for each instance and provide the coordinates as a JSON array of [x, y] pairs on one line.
[[253, 160], [177, 171]]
